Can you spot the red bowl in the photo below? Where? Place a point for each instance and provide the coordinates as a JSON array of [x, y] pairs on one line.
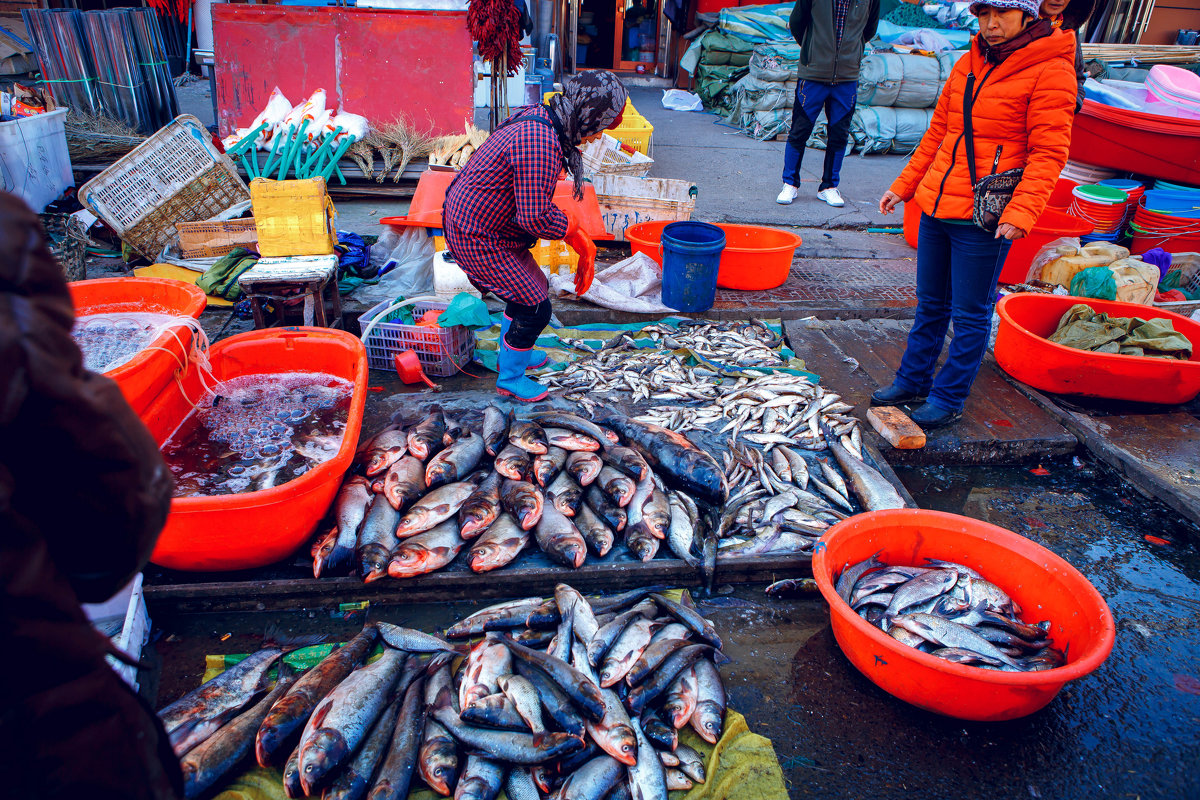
[[1044, 585]]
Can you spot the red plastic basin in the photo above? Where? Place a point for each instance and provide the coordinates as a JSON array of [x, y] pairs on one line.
[[242, 531], [754, 258], [1131, 141], [1024, 352], [1050, 225], [912, 222], [147, 373], [1044, 585]]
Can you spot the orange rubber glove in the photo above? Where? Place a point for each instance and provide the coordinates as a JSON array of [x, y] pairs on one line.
[[583, 245]]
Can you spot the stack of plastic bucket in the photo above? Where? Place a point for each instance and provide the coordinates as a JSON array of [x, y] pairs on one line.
[[1168, 218], [691, 259], [1103, 206]]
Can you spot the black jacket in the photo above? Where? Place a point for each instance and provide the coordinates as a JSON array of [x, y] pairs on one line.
[[822, 58], [1074, 17]]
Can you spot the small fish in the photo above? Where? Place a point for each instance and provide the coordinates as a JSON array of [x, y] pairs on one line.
[[524, 697], [414, 641], [574, 422]]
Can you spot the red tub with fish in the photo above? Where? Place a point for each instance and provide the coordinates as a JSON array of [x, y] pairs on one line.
[[257, 461]]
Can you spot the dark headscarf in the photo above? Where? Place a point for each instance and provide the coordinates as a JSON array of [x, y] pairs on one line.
[[589, 103]]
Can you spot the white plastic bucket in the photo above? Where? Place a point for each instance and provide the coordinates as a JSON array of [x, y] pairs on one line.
[[34, 161]]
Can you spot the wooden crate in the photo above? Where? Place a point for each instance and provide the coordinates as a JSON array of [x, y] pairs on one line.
[[213, 238]]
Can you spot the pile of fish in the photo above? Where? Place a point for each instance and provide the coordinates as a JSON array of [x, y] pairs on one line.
[[576, 698], [950, 611], [570, 485]]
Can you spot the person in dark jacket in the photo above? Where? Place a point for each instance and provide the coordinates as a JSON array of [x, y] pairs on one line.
[[83, 496], [1071, 15], [831, 35]]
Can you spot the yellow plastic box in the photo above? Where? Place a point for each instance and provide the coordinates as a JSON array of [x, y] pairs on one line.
[[555, 256], [294, 218]]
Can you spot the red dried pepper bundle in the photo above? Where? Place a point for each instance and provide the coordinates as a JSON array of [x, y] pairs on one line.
[[496, 25]]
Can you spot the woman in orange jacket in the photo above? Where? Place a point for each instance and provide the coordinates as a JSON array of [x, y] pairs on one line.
[[1021, 70]]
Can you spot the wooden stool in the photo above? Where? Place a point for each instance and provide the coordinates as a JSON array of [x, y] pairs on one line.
[[282, 280]]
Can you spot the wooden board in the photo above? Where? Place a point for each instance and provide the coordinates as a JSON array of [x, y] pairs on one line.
[[999, 425]]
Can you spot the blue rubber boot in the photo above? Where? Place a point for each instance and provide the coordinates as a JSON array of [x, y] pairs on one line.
[[512, 381], [537, 358]]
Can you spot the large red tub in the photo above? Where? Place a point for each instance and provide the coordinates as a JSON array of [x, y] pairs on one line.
[[242, 531], [1024, 352], [1131, 141]]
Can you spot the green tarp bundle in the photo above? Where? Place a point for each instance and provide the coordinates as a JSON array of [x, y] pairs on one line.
[[1082, 328]]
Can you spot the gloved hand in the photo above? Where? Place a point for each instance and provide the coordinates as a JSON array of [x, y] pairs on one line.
[[578, 240]]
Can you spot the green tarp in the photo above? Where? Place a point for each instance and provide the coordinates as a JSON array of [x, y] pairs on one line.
[[1082, 328]]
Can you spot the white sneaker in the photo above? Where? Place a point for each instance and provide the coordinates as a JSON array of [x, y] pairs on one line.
[[831, 196], [787, 195]]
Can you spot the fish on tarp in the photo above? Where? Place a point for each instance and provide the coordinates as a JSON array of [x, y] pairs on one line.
[[626, 650], [647, 777], [343, 718], [627, 460], [547, 466], [437, 759], [495, 429], [508, 614], [456, 461], [525, 700], [354, 780], [498, 545], [574, 422], [674, 457], [209, 761], [427, 551], [559, 538], [571, 440], [515, 748], [523, 501], [528, 436], [481, 508], [395, 773], [708, 719], [682, 696], [583, 467], [414, 641], [201, 712], [290, 713], [494, 711], [376, 539], [646, 692], [427, 436], [566, 494], [583, 692], [437, 507], [386, 448], [598, 536], [481, 671]]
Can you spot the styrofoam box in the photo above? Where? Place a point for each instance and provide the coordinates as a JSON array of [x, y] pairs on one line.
[[129, 606], [34, 161]]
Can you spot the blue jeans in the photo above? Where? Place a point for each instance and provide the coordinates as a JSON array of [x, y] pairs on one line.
[[957, 269], [838, 101]]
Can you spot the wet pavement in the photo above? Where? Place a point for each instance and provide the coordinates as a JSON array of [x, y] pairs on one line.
[[1132, 729]]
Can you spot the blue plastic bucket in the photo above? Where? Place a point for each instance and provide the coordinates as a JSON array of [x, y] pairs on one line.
[[691, 257]]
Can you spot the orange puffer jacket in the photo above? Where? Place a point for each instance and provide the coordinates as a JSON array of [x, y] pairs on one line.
[[1023, 110]]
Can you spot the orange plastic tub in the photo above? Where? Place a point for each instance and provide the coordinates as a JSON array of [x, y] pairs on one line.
[[241, 531], [1050, 225], [148, 372], [1044, 585], [1024, 352], [754, 259]]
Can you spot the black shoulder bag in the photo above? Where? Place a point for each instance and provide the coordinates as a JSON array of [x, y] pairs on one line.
[[993, 193]]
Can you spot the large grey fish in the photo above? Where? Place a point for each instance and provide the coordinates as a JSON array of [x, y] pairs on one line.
[[612, 732], [376, 538], [559, 538], [481, 508], [482, 779], [647, 779], [350, 508], [583, 467], [509, 614], [456, 461], [437, 760], [343, 718], [209, 761], [708, 719], [629, 461], [525, 700], [575, 607], [498, 545], [921, 589], [427, 436], [673, 456], [600, 643], [681, 531], [871, 488], [596, 533], [626, 650], [404, 483], [554, 700], [528, 436], [613, 515], [438, 506], [523, 501], [593, 781], [566, 495], [292, 711], [582, 691], [693, 619], [574, 422], [571, 440], [201, 712], [547, 466], [426, 552], [647, 691], [354, 780], [951, 634], [516, 748], [617, 485], [514, 463], [396, 771], [414, 641], [495, 428], [387, 447]]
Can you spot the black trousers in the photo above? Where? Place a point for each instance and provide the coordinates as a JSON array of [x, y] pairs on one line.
[[527, 323]]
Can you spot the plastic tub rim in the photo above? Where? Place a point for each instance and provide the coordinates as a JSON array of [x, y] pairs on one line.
[[1041, 679]]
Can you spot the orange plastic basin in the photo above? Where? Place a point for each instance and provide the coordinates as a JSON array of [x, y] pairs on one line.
[[1044, 585], [754, 258], [241, 531], [148, 372], [1024, 352]]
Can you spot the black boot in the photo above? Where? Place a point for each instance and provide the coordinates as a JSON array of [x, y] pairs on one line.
[[895, 396], [929, 417]]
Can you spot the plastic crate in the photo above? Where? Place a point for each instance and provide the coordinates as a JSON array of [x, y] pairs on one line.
[[607, 155], [215, 238], [34, 161], [635, 131], [176, 175], [555, 256], [442, 351], [123, 618], [626, 201]]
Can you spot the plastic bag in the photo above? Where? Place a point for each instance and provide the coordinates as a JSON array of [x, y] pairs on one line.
[[1067, 245], [403, 262], [634, 284], [354, 256], [680, 100], [1095, 282]]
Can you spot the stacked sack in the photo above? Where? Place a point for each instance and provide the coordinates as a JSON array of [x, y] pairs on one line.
[[723, 59], [896, 96], [763, 99]]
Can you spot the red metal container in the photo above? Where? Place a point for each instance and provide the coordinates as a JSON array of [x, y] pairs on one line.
[[754, 258], [1044, 585], [1131, 141], [242, 531], [1050, 225], [147, 373], [1024, 352]]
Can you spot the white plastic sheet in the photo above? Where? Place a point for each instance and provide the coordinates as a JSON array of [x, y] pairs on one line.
[[634, 284], [680, 100]]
